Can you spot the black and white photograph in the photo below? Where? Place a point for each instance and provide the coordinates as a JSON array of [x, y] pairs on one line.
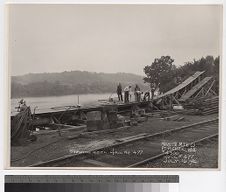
[[114, 86]]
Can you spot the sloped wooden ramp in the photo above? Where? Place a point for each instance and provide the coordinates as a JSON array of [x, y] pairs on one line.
[[195, 89], [183, 85]]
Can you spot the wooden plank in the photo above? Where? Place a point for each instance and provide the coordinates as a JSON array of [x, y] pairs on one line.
[[198, 94], [70, 127], [175, 100], [179, 119], [185, 83], [194, 89], [65, 128], [171, 118]]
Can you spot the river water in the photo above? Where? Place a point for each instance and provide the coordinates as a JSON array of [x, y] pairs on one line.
[[44, 104]]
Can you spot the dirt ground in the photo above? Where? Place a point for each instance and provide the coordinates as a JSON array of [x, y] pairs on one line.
[[53, 146]]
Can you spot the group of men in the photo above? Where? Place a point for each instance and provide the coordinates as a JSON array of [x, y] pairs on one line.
[[128, 93]]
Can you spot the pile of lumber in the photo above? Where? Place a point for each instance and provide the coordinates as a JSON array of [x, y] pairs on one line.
[[204, 106], [210, 106]]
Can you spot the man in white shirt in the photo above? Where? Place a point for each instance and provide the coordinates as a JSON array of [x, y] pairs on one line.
[[126, 93]]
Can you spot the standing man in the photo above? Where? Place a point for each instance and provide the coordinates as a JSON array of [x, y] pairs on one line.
[[130, 93], [146, 96], [22, 105], [137, 93], [126, 93], [119, 92]]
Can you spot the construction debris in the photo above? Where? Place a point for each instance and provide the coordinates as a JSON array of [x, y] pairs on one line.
[[191, 90], [21, 128], [204, 106], [210, 106], [197, 89]]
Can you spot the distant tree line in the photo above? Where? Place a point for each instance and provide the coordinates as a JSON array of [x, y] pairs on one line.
[[162, 74], [70, 82], [45, 88]]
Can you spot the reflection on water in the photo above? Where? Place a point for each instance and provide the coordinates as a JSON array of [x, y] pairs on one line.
[[46, 103]]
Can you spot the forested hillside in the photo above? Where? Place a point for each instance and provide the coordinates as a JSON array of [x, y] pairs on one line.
[[73, 82], [162, 73]]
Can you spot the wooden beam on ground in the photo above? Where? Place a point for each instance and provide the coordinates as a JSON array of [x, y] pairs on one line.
[[71, 127], [171, 118], [66, 128]]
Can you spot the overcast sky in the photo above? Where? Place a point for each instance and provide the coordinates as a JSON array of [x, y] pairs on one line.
[[109, 38]]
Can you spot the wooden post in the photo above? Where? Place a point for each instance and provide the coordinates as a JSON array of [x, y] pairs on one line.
[[210, 87], [202, 92], [171, 101], [175, 100], [58, 126], [198, 93]]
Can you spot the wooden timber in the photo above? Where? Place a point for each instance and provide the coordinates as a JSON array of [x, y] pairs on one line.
[[64, 128], [182, 85], [196, 88]]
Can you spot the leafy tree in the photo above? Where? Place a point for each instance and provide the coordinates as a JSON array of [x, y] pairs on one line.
[[159, 72]]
